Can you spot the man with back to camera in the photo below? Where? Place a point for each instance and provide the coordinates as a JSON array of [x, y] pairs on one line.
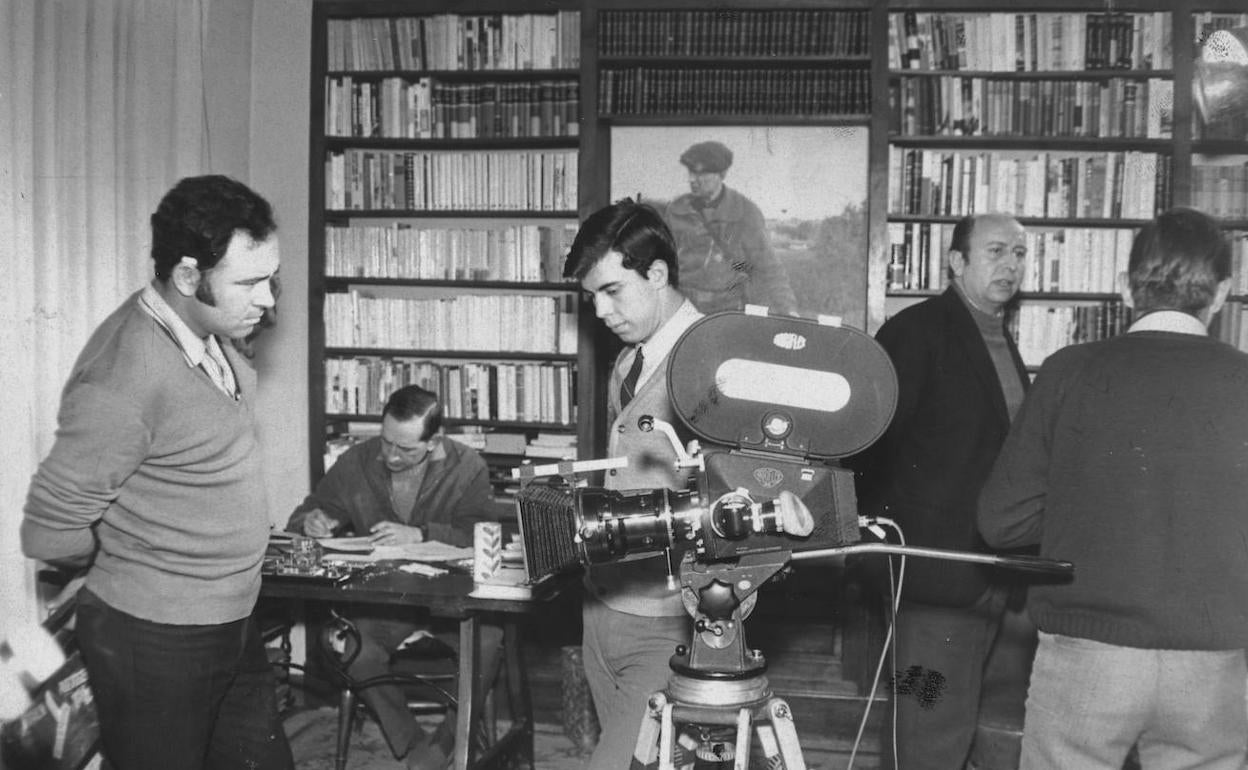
[[960, 380], [408, 485], [726, 259], [1128, 459], [154, 485], [625, 260]]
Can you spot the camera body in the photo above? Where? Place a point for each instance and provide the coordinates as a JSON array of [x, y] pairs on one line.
[[774, 401]]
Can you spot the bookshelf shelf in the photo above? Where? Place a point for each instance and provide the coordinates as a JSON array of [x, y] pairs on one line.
[[1059, 75], [710, 118], [1033, 143], [460, 76], [437, 353], [456, 422], [717, 61], [346, 214], [1026, 221], [340, 283], [459, 144]]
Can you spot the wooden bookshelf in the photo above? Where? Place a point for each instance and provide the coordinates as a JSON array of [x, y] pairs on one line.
[[1118, 96], [445, 161]]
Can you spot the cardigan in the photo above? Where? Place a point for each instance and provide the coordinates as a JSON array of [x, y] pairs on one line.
[[641, 586], [154, 479]]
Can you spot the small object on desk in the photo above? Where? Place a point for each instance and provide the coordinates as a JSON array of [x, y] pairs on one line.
[[487, 550], [419, 568], [509, 582], [305, 554]]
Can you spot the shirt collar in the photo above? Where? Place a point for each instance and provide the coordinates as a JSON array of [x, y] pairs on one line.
[[193, 348], [664, 339], [1169, 321]]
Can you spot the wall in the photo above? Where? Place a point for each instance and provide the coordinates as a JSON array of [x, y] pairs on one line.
[[280, 64]]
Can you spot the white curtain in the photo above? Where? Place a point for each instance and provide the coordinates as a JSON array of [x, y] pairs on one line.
[[103, 106]]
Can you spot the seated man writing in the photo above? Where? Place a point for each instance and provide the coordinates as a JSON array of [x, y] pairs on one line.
[[408, 485]]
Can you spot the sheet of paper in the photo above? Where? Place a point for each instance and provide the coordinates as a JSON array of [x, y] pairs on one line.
[[347, 544], [428, 551]]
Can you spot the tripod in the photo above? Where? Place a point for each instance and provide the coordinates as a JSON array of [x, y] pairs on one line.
[[718, 697]]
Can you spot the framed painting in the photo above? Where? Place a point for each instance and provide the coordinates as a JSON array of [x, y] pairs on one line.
[[762, 215]]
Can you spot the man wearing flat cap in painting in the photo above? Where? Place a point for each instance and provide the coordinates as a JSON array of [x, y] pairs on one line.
[[726, 259]]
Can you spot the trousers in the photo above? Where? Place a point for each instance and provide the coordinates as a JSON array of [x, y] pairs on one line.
[[380, 635], [187, 697], [938, 678], [626, 661], [1089, 702]]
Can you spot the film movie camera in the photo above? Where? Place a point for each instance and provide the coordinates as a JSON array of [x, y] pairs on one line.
[[773, 402]]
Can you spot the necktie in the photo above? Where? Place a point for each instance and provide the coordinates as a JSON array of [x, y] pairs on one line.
[[218, 368], [628, 388]]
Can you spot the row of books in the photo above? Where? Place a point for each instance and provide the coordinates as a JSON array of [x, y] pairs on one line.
[[428, 108], [1221, 190], [1042, 329], [843, 90], [508, 391], [1231, 325], [1097, 185], [731, 32], [1064, 259], [528, 323], [399, 250], [545, 444], [530, 41], [979, 106], [1030, 42], [447, 180]]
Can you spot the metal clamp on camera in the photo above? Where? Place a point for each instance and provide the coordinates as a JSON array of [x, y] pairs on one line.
[[775, 402]]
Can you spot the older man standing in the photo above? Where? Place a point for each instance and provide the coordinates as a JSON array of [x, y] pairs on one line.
[[960, 382], [726, 259]]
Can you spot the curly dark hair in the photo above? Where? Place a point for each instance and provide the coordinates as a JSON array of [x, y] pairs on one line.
[[199, 216]]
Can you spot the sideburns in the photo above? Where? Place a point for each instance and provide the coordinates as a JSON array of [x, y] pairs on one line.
[[203, 292]]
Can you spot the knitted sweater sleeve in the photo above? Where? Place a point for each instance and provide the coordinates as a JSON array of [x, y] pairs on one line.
[[101, 439]]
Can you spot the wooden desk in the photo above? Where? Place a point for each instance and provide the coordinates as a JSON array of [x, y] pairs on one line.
[[443, 596]]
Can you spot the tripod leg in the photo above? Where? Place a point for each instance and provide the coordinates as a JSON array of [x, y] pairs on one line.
[[780, 732], [650, 735], [744, 722], [667, 734]]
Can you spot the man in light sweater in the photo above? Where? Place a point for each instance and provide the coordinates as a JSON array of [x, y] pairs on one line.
[[154, 486], [1129, 458], [633, 618]]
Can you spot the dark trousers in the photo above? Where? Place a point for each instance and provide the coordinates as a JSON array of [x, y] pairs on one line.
[[185, 697], [940, 659]]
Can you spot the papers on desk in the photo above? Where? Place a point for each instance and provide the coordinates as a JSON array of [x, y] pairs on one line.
[[428, 551], [347, 544]]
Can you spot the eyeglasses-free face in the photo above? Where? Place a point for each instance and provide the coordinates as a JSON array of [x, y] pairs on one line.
[[403, 445]]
